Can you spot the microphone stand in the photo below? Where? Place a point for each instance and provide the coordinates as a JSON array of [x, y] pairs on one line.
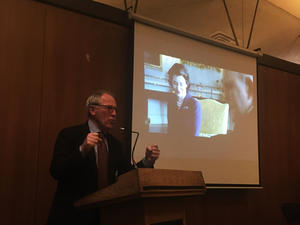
[[132, 153], [136, 138]]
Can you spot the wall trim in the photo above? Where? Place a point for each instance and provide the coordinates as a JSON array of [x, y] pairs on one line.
[[280, 64], [93, 9]]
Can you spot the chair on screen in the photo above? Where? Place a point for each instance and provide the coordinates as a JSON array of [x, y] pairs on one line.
[[214, 117]]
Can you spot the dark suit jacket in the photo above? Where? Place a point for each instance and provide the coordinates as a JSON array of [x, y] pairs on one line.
[[77, 175], [187, 119]]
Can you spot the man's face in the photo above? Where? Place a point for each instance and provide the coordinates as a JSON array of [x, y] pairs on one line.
[[238, 92], [105, 113]]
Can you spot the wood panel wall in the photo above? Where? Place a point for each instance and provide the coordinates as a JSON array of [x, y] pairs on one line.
[[51, 59], [82, 54], [21, 56]]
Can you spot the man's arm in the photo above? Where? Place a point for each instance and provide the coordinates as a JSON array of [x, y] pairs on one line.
[[67, 159], [197, 117], [151, 155]]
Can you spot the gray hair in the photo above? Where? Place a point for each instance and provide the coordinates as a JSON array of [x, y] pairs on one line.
[[93, 99]]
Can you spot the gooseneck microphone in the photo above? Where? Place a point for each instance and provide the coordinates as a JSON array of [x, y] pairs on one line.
[[136, 138]]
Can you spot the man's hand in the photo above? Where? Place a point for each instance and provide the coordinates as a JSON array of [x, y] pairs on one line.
[[90, 142], [152, 154]]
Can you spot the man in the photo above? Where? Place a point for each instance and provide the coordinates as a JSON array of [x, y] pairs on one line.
[[79, 164], [239, 93]]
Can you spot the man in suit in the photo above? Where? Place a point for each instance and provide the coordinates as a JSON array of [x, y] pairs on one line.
[[79, 166]]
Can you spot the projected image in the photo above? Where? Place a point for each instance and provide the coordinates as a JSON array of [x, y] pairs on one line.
[[198, 102], [197, 99]]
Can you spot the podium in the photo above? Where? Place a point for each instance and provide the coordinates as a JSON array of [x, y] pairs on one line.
[[146, 196]]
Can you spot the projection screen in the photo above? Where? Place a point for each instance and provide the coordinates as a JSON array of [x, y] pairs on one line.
[[198, 102]]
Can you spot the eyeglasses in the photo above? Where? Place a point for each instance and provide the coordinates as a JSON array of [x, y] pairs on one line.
[[109, 108]]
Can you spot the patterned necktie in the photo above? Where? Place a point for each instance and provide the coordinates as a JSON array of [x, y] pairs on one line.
[[102, 164]]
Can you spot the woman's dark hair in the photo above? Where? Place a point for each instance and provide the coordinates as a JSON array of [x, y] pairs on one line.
[[178, 70]]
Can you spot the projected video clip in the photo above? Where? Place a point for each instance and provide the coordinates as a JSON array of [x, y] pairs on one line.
[[197, 99]]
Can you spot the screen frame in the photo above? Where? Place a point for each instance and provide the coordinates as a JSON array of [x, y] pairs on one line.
[[243, 51]]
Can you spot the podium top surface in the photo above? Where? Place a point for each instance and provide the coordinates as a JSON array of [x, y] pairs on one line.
[[147, 183]]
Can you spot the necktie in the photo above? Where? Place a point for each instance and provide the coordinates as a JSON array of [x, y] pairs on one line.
[[102, 164]]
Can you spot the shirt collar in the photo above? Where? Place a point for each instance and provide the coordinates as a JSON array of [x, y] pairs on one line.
[[92, 126]]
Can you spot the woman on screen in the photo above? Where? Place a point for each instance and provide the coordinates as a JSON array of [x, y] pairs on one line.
[[184, 111]]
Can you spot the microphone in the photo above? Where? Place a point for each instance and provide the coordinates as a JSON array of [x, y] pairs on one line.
[[100, 134], [136, 138]]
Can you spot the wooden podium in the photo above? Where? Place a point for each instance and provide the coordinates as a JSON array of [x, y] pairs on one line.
[[146, 196]]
